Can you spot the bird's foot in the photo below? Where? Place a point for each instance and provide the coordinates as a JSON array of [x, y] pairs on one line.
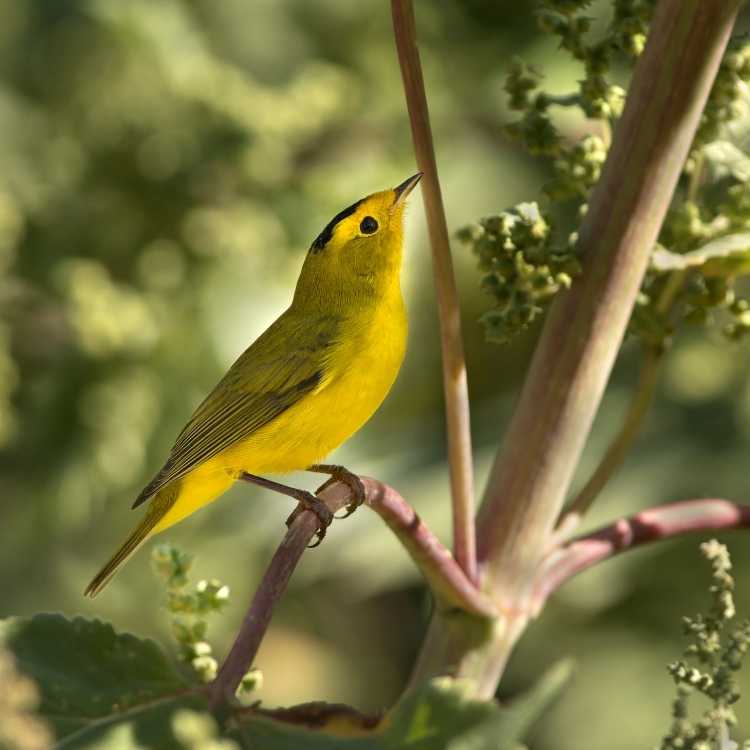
[[308, 501], [351, 480]]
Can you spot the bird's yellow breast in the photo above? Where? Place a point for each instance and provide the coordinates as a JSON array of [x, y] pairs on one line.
[[362, 367]]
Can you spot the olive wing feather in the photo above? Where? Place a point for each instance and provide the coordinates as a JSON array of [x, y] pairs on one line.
[[286, 363]]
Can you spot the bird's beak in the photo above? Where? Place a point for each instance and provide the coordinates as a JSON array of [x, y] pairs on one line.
[[405, 188]]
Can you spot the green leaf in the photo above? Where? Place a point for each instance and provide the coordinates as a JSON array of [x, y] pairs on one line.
[[99, 688], [435, 715], [110, 691], [439, 716], [726, 256], [512, 723]]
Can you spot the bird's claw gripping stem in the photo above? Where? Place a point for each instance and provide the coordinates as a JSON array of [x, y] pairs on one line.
[[351, 480], [308, 501]]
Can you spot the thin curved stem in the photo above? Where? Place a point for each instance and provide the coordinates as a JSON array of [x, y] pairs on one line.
[[651, 525], [449, 584], [451, 342]]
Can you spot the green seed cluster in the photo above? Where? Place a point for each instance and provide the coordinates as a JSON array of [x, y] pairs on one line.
[[522, 268], [728, 99], [715, 204], [599, 99], [577, 170], [719, 648], [525, 265], [189, 609], [534, 130], [706, 293]]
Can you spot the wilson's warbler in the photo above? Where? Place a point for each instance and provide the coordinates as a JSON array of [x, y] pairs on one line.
[[308, 383]]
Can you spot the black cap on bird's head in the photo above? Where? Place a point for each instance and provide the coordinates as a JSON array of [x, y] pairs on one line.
[[385, 202]]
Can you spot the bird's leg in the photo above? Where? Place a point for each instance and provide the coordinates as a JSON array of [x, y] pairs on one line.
[[341, 474], [306, 500]]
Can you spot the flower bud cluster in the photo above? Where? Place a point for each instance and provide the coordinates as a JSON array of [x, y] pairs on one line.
[[719, 647], [189, 607], [523, 269]]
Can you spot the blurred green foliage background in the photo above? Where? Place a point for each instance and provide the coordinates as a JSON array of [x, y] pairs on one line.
[[163, 168]]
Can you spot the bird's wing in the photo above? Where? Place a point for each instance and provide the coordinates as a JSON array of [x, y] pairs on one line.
[[290, 360]]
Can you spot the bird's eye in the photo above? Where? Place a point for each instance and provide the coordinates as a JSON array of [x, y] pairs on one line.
[[368, 225]]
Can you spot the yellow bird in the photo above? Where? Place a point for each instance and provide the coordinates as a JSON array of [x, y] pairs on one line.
[[308, 383]]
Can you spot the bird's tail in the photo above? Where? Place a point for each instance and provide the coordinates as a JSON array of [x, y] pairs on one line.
[[132, 543]]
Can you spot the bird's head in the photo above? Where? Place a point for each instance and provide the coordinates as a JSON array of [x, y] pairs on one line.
[[361, 246]]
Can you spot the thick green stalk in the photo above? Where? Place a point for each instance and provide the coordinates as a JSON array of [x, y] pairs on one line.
[[585, 327], [619, 448]]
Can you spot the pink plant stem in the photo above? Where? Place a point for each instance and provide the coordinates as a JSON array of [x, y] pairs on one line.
[[271, 588], [651, 525], [451, 342], [449, 584]]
